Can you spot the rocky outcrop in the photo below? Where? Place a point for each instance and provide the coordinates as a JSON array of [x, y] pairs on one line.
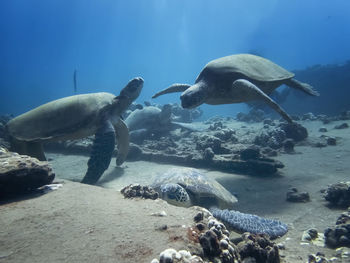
[[338, 194], [210, 242], [21, 173], [339, 235]]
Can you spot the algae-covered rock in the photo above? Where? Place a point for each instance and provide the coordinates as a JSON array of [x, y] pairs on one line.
[[21, 173]]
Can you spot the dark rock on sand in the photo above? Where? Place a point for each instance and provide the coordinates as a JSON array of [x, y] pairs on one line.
[[342, 126], [21, 174], [309, 234], [288, 145], [208, 154], [338, 194], [339, 236], [252, 152], [331, 141], [344, 218], [299, 197], [318, 258], [294, 131]]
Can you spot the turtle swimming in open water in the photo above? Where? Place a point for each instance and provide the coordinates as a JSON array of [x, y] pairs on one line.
[[238, 78], [188, 186], [77, 117]]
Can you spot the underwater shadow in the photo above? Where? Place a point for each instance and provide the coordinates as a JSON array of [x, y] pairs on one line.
[[258, 195], [19, 197], [117, 172]]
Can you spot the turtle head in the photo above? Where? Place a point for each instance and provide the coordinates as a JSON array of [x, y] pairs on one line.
[[127, 95], [194, 96], [175, 194], [133, 89]]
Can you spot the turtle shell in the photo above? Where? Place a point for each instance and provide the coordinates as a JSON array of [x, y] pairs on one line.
[[251, 66], [203, 190], [141, 118], [67, 118]]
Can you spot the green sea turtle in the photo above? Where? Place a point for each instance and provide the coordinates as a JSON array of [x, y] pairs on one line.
[[235, 79], [149, 117], [77, 117], [188, 186], [153, 121]]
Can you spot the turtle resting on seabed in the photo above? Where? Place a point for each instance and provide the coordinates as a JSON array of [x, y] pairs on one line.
[[77, 117], [187, 187], [235, 79]]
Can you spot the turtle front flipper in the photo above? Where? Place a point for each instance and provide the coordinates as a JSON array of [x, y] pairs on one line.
[[101, 153], [308, 89], [241, 222], [252, 92], [122, 136], [177, 87]]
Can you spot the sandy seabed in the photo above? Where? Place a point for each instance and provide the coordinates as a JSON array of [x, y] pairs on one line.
[[83, 223]]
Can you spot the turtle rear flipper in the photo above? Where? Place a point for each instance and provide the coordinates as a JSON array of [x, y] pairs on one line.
[[33, 149], [308, 89], [242, 222], [252, 92], [177, 87], [101, 153]]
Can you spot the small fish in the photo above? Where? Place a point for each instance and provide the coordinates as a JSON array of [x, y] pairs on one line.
[[75, 81]]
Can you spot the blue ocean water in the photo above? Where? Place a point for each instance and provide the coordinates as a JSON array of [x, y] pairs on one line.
[[109, 42]]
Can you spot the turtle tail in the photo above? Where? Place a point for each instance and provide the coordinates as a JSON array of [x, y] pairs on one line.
[[241, 222]]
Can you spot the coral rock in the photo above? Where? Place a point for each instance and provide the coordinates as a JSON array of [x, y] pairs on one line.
[[136, 190], [210, 244], [339, 194], [21, 173], [258, 247]]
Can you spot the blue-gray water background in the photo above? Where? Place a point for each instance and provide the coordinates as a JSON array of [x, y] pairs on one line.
[[108, 42]]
